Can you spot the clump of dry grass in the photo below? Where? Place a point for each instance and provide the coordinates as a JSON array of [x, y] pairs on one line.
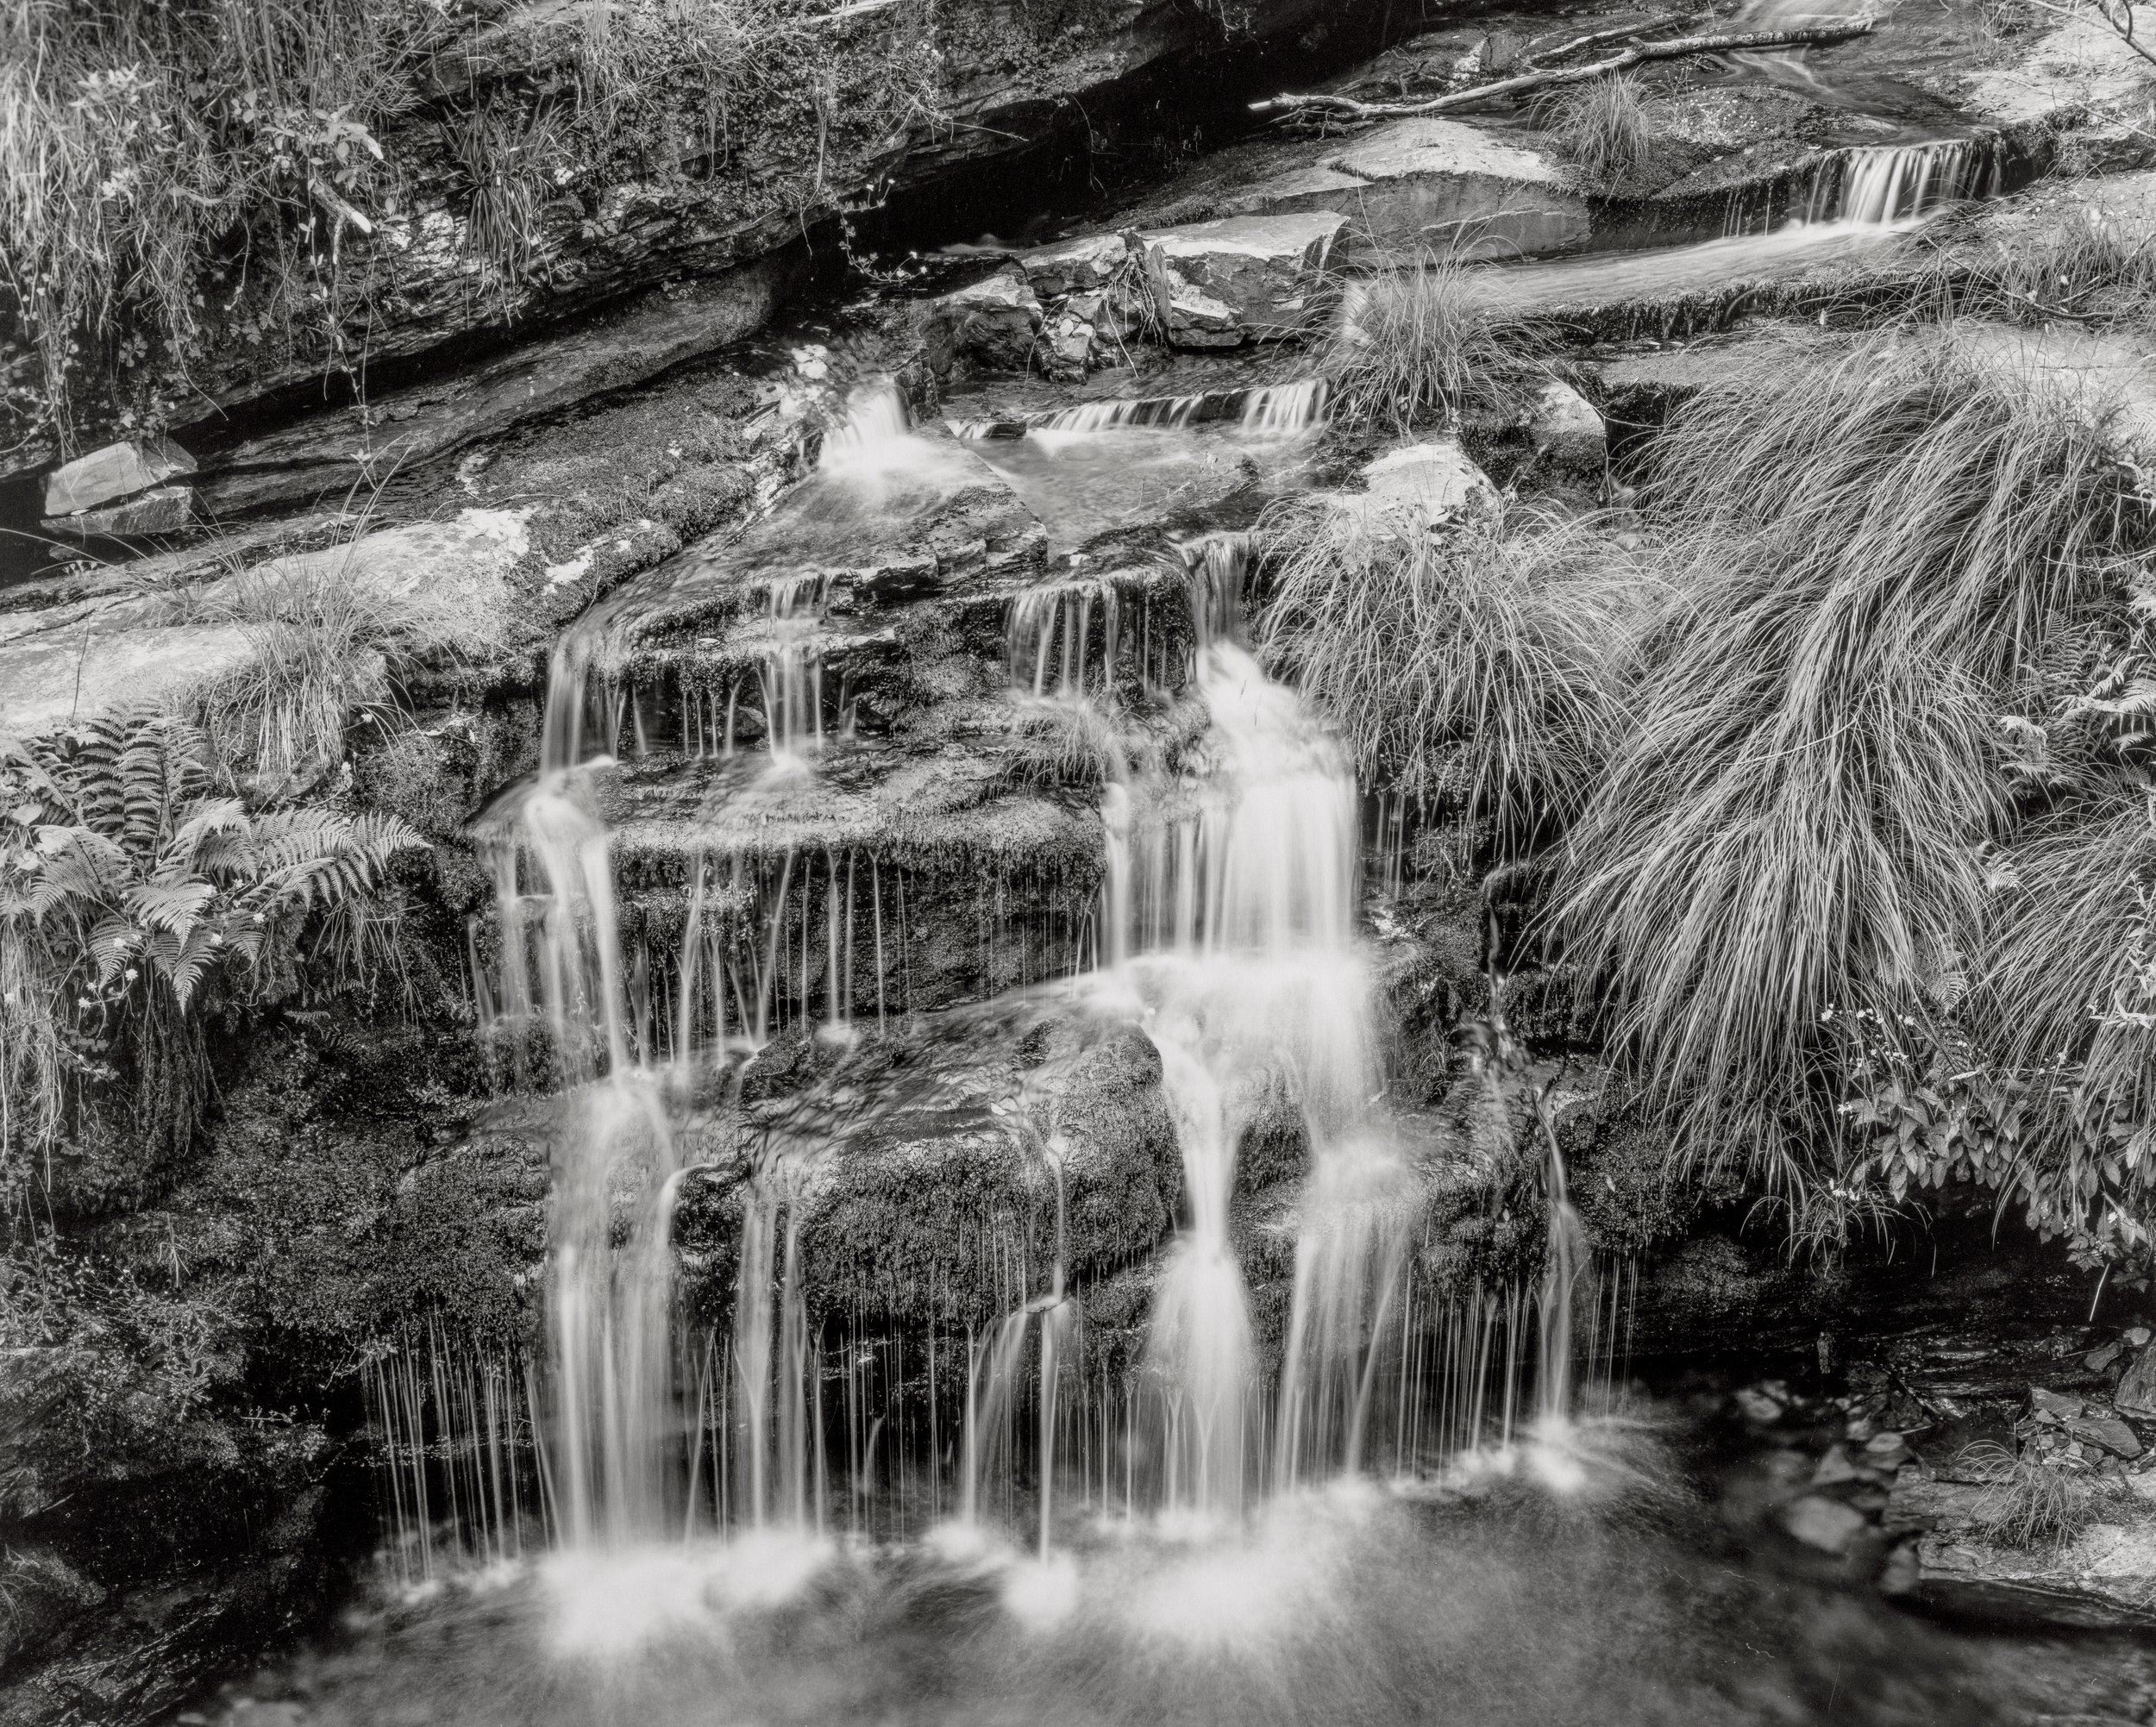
[[2025, 1503], [1474, 667], [1601, 126], [2080, 266], [1866, 559], [1419, 343]]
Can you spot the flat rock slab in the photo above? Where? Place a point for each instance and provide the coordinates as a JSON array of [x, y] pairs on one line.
[[336, 452], [57, 677], [161, 510], [1440, 478], [1638, 283], [1405, 186], [908, 513], [451, 580], [2079, 68]]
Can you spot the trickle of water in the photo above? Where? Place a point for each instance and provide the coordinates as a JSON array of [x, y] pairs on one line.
[[1162, 413], [1049, 634]]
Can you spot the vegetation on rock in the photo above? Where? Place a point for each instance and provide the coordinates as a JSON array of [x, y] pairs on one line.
[[134, 904]]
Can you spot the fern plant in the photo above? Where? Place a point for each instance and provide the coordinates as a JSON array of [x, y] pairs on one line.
[[134, 901]]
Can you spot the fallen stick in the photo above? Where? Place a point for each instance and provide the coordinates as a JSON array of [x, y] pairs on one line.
[[1595, 38], [1739, 41]]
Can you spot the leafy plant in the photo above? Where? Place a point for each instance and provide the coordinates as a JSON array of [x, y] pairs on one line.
[[138, 142], [133, 902]]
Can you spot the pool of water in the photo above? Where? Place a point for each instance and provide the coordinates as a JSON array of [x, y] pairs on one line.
[[1599, 1580]]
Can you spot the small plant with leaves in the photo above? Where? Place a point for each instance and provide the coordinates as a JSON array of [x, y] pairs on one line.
[[135, 901]]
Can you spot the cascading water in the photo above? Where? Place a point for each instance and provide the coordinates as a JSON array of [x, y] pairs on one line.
[[1880, 185], [1227, 928], [1236, 936]]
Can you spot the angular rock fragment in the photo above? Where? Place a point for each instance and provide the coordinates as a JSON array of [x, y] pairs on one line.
[[1825, 1523], [990, 323], [1076, 266], [162, 510], [1565, 427], [116, 470], [1218, 284], [2108, 1432], [1440, 479], [2136, 1394]]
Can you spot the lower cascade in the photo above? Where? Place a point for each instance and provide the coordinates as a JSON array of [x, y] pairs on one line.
[[1225, 928]]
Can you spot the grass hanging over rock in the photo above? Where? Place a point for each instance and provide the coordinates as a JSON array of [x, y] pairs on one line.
[[137, 142], [1473, 667], [178, 178], [1869, 560]]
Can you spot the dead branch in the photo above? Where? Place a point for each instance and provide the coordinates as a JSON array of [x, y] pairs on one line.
[[1595, 39], [1739, 41]]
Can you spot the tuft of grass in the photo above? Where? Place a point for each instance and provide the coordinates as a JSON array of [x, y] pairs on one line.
[[1865, 559], [319, 644], [1599, 126], [2082, 265], [1419, 343], [2025, 1503], [1474, 667]]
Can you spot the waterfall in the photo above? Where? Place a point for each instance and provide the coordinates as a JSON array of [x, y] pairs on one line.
[[792, 676], [1049, 635], [1283, 410], [1880, 185]]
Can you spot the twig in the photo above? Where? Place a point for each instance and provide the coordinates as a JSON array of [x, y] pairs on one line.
[[1735, 42]]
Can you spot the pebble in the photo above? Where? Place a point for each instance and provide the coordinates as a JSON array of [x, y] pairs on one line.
[[1757, 1405], [1826, 1525]]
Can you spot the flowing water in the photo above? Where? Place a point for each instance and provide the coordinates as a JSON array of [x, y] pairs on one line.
[[1310, 1481]]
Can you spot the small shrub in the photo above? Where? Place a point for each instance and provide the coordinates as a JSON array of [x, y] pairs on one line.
[[1419, 343], [1474, 667], [2027, 1503], [132, 901], [1601, 126]]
